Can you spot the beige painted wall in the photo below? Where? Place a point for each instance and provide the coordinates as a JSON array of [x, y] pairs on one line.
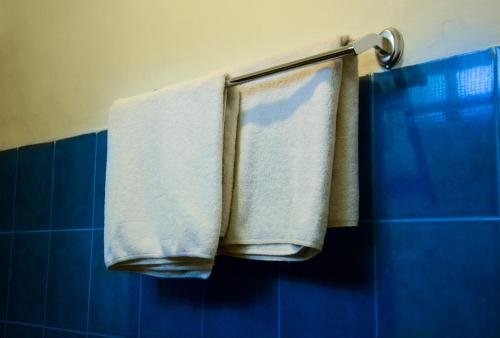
[[62, 62]]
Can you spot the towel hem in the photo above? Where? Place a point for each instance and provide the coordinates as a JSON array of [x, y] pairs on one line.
[[155, 256], [316, 246], [343, 224]]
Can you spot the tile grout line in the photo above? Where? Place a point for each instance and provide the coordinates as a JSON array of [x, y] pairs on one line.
[[202, 311], [381, 220], [139, 311], [375, 283], [496, 105], [47, 230], [57, 328], [91, 259], [49, 246], [438, 219], [11, 249], [279, 302]]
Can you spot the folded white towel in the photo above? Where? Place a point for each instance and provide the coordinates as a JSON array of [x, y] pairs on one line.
[[344, 193], [288, 159], [163, 208]]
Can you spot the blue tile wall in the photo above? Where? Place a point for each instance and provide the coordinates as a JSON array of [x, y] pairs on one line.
[[5, 250], [246, 295], [8, 162], [333, 290], [439, 279], [116, 293], [68, 280], [424, 261], [23, 331], [74, 182], [28, 277], [34, 187], [435, 138], [51, 333], [172, 307]]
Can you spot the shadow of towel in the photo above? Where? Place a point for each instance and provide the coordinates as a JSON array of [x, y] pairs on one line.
[[283, 108]]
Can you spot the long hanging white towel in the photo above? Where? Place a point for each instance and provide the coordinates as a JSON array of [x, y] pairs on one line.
[[296, 163], [164, 195]]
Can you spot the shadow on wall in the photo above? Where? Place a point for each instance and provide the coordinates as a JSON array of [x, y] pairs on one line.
[[344, 263]]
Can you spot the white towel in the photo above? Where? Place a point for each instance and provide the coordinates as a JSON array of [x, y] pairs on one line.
[[296, 142], [344, 193], [163, 208]]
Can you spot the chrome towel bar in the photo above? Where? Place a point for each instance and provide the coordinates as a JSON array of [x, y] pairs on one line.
[[388, 48]]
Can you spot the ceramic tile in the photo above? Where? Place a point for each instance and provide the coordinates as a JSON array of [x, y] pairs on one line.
[[34, 185], [438, 279], [68, 280], [332, 294], [51, 333], [74, 182], [28, 278], [171, 307], [245, 294], [114, 297], [7, 182], [434, 142], [23, 331], [5, 248]]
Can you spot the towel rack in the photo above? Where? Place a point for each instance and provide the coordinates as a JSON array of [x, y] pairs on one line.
[[388, 48]]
